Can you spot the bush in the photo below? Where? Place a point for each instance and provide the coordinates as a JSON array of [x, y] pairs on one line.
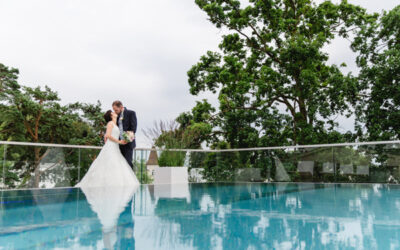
[[171, 159]]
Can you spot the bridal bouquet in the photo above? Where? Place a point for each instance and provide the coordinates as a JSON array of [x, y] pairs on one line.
[[128, 136]]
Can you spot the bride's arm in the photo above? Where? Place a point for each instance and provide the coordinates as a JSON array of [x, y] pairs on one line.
[[108, 134]]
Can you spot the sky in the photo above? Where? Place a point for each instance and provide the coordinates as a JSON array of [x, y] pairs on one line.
[[138, 52]]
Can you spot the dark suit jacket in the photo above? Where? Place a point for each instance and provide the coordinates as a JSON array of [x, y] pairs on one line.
[[129, 123]]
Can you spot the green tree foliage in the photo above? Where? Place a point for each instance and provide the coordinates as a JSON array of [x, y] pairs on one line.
[[378, 48], [174, 135], [221, 166], [36, 115], [273, 57]]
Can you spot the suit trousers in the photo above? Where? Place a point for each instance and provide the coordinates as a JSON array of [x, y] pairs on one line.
[[127, 152]]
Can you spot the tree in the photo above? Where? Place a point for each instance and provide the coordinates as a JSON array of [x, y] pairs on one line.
[[35, 115], [378, 48], [273, 57], [179, 134]]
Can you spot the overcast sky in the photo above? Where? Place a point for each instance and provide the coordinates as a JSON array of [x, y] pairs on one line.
[[134, 51]]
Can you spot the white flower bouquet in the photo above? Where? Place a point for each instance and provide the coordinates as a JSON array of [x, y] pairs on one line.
[[128, 136]]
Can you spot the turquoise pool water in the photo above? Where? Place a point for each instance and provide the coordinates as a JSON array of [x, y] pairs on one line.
[[204, 216]]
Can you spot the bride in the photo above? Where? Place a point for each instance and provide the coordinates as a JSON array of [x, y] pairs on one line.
[[110, 167]]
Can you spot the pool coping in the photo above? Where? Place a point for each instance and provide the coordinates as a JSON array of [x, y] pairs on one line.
[[226, 182]]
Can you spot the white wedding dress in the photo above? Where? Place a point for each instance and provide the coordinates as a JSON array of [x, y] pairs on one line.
[[110, 168]]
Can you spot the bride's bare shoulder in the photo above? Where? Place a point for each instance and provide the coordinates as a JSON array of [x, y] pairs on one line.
[[110, 124]]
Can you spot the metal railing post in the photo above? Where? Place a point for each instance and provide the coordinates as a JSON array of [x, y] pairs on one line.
[[79, 165], [141, 166], [134, 161], [334, 165], [4, 165]]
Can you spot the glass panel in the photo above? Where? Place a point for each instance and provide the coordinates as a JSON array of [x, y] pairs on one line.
[[196, 166], [391, 156], [140, 161], [302, 165], [45, 167], [4, 166], [83, 158], [55, 167], [283, 168], [368, 163], [252, 166], [16, 162], [213, 166]]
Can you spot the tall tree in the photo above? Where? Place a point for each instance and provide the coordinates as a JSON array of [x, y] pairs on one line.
[[272, 57], [378, 48], [35, 115]]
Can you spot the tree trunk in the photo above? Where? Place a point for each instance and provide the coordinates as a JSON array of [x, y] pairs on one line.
[[37, 176]]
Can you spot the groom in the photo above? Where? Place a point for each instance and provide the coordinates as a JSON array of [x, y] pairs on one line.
[[126, 122]]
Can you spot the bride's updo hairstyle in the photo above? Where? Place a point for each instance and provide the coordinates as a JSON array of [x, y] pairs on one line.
[[108, 116]]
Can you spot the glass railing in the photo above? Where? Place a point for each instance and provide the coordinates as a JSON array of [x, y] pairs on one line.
[[25, 165], [28, 165], [369, 162]]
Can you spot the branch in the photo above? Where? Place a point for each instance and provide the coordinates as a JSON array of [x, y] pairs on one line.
[[38, 120], [265, 45], [52, 166], [55, 164], [249, 40], [290, 107], [335, 26], [269, 104], [29, 129], [381, 46], [44, 155]]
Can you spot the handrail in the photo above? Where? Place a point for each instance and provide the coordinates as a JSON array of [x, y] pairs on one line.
[[53, 145], [205, 150]]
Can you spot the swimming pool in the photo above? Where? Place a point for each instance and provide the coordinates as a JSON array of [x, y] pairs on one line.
[[204, 216]]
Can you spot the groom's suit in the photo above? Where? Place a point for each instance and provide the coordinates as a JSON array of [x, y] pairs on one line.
[[129, 123]]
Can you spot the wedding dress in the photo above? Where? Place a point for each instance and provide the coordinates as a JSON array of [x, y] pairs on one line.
[[110, 168]]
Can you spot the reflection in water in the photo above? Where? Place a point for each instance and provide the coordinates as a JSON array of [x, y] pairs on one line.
[[108, 203], [262, 216], [205, 216]]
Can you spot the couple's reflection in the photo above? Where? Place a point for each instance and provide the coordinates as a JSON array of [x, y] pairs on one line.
[[108, 203]]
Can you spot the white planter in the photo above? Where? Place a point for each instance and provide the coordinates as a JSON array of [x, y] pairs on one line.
[[172, 191], [170, 175]]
